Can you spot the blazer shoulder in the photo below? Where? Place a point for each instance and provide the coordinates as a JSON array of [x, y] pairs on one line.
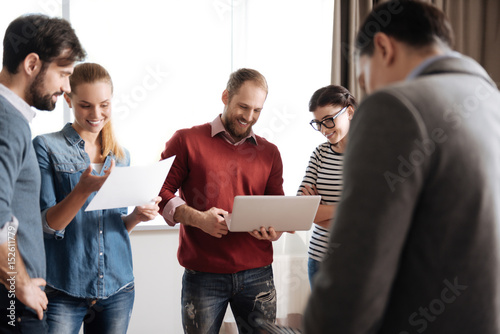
[[391, 106]]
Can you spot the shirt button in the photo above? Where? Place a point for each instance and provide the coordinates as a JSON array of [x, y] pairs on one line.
[[101, 276], [100, 232], [100, 253]]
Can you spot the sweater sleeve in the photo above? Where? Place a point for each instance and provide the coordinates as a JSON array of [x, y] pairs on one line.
[[14, 146], [179, 170], [373, 218]]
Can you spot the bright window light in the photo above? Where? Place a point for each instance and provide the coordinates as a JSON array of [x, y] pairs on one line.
[[170, 61]]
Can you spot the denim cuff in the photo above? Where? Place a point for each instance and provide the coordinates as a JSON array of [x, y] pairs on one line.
[[49, 230], [8, 227]]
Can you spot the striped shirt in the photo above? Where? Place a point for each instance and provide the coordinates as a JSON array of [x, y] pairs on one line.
[[325, 172]]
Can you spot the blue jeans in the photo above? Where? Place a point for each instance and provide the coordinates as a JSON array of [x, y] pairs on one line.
[[312, 268], [205, 297], [16, 318], [65, 314]]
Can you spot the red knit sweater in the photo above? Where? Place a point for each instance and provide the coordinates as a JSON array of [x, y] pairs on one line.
[[209, 172]]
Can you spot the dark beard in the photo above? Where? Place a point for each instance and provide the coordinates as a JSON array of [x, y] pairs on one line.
[[39, 101]]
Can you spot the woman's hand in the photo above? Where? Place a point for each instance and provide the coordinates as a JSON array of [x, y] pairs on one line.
[[61, 214], [310, 190], [89, 183], [142, 213], [147, 212]]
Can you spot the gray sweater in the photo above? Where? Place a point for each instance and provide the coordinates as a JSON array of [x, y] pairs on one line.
[[20, 187]]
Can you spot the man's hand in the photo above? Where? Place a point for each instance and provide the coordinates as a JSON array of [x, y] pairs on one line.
[[30, 294], [264, 234], [211, 221], [27, 289]]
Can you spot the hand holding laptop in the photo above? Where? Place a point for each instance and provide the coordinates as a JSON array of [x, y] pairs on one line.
[[262, 233], [269, 234], [256, 214]]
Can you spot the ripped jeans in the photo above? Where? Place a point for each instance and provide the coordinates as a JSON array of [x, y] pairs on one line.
[[205, 296]]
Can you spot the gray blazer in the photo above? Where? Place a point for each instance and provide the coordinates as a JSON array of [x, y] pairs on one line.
[[415, 242]]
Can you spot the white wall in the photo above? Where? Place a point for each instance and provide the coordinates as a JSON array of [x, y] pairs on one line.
[[158, 278]]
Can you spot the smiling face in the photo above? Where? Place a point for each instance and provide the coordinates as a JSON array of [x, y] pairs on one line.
[[51, 82], [338, 133], [243, 110], [91, 103]]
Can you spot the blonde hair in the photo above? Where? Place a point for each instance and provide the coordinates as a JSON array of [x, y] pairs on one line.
[[91, 73]]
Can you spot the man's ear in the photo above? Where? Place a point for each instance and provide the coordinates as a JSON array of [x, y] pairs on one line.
[[32, 64], [225, 97], [384, 45]]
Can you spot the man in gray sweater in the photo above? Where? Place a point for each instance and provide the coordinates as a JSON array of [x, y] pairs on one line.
[[39, 54], [415, 243]]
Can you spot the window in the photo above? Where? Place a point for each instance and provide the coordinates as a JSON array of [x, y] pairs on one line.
[[170, 62]]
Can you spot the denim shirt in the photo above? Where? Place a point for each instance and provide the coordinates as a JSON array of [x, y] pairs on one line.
[[91, 257]]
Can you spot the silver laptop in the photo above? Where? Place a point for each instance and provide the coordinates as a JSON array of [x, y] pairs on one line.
[[283, 213]]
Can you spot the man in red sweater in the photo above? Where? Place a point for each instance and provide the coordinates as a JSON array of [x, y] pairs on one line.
[[215, 162]]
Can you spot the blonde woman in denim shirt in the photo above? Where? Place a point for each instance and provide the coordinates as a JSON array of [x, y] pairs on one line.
[[89, 259]]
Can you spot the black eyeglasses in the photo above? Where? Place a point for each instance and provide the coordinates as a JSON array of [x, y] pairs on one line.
[[327, 122]]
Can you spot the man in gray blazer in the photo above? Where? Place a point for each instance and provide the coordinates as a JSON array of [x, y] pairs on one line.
[[415, 242]]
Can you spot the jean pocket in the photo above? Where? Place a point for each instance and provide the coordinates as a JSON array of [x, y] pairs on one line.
[[262, 272], [70, 167], [128, 288], [68, 174], [191, 271], [51, 292]]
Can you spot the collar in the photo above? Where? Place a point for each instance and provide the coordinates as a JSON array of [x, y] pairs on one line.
[[218, 127], [18, 103], [74, 139], [420, 68], [71, 135]]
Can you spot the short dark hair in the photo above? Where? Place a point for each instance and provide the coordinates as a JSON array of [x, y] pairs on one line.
[[239, 77], [332, 95], [413, 22], [40, 34]]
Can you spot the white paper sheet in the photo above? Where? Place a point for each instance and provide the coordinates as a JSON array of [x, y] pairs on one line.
[[131, 186]]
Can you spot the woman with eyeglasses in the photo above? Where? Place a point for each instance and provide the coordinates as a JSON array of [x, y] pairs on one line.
[[332, 107]]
